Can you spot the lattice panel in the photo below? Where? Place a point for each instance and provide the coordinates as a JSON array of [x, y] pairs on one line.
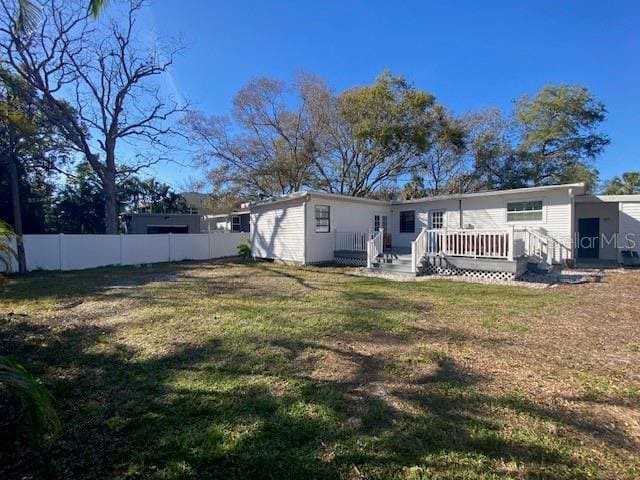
[[356, 262], [455, 271]]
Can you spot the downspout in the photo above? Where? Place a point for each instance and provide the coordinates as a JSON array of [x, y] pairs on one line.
[[572, 222], [304, 237], [460, 213]]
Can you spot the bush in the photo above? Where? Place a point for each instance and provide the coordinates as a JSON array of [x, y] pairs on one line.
[[244, 251]]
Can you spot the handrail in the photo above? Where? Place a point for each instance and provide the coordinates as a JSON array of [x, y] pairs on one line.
[[419, 249], [375, 247]]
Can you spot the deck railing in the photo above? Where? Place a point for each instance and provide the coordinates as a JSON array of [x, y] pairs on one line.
[[352, 241], [375, 247], [497, 243]]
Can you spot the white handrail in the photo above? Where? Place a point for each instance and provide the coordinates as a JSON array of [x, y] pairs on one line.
[[375, 247], [419, 249]]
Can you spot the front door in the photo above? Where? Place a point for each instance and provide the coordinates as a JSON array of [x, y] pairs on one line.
[[381, 221], [588, 238]]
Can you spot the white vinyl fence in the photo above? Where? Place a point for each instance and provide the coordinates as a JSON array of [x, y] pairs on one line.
[[76, 252]]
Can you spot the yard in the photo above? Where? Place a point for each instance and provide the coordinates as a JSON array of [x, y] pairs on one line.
[[232, 370]]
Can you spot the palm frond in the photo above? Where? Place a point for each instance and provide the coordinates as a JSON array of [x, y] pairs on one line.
[[28, 16], [37, 403], [96, 7], [7, 252]]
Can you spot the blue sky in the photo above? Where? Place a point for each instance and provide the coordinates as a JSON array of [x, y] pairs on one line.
[[470, 54]]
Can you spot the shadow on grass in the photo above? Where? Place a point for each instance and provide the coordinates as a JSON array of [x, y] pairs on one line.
[[260, 408], [212, 411]]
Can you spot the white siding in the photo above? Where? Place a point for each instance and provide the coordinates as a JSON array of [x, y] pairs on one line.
[[345, 216], [277, 231], [422, 218], [630, 225], [487, 212]]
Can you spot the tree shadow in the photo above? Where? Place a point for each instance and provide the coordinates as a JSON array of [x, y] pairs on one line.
[[278, 406]]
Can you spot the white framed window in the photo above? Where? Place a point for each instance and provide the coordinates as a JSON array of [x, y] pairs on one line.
[[323, 219], [436, 219], [527, 211], [235, 223]]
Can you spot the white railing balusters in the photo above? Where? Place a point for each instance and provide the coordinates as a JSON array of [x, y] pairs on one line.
[[419, 248]]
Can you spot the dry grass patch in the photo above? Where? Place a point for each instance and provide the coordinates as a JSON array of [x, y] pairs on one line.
[[234, 370]]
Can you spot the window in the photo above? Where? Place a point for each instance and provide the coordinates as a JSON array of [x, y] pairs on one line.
[[524, 211], [323, 221], [408, 221], [436, 219], [235, 223]]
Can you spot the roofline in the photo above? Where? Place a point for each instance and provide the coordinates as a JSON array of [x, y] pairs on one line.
[[314, 193], [308, 193], [608, 198], [490, 193]]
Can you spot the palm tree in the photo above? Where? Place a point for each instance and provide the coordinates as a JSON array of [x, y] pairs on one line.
[[29, 13], [628, 184]]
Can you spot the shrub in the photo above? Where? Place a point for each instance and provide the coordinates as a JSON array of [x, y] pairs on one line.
[[244, 251]]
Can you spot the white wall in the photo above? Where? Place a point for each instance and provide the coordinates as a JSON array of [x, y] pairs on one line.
[[346, 215], [277, 231], [76, 252], [489, 212], [630, 225]]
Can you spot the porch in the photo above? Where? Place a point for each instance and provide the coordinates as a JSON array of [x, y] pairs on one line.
[[498, 253]]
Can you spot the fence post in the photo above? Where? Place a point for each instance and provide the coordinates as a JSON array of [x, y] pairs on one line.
[[169, 246], [60, 249], [121, 249], [209, 241]]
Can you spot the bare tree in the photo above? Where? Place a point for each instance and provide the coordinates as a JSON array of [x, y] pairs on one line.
[[265, 147], [109, 76]]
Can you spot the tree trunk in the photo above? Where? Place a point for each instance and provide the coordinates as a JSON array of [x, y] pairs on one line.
[[17, 214], [110, 203]]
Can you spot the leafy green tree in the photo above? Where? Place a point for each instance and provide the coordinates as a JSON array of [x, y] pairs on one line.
[[29, 142], [551, 138], [559, 132], [627, 184], [374, 134]]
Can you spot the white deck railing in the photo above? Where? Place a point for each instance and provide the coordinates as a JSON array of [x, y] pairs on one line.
[[352, 241], [375, 247], [470, 243]]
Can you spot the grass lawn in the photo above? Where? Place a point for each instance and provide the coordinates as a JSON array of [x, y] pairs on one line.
[[231, 370]]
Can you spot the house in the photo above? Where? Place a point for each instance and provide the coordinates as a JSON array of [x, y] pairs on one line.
[[236, 221], [141, 223], [493, 234]]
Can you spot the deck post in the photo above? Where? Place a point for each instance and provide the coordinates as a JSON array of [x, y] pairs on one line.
[[413, 257], [511, 242]]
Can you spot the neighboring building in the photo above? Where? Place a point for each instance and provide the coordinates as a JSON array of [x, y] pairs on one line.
[[149, 223], [236, 221], [496, 230], [197, 202]]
